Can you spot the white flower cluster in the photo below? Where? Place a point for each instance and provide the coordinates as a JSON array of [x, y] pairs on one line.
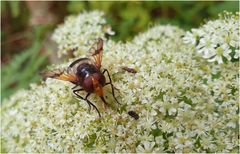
[[183, 104], [78, 32], [217, 40]]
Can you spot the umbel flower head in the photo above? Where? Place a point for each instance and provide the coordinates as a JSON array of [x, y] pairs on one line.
[[183, 104], [217, 40], [80, 31]]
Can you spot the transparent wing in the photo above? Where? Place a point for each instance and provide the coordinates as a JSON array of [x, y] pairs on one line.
[[95, 52]]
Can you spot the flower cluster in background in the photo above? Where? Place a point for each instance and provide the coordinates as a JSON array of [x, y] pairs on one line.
[[217, 40], [184, 105], [78, 32]]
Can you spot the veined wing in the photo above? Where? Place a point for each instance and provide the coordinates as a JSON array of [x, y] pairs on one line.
[[96, 51], [60, 74]]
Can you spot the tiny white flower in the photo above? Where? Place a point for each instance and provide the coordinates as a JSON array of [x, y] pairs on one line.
[[220, 52], [231, 124], [189, 38], [237, 54], [172, 111], [145, 147]]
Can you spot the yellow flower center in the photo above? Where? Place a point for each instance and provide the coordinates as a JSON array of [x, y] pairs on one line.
[[219, 51]]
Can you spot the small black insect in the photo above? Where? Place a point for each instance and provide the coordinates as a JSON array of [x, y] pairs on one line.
[[133, 114]]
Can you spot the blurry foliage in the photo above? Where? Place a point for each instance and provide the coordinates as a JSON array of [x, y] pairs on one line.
[[130, 18], [22, 60], [17, 17], [14, 8], [24, 67]]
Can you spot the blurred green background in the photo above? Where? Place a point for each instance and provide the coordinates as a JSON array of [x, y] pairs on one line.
[[26, 29]]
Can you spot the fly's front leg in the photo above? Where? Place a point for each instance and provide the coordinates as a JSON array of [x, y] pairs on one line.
[[110, 82], [92, 104], [75, 92]]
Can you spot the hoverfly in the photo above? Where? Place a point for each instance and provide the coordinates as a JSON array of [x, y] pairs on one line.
[[86, 74]]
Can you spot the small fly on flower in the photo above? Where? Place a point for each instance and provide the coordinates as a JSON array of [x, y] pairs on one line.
[[130, 70], [86, 74]]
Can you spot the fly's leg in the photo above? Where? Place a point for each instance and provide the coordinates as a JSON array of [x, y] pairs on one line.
[[89, 103], [110, 82], [75, 92], [104, 101], [75, 87], [92, 104]]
